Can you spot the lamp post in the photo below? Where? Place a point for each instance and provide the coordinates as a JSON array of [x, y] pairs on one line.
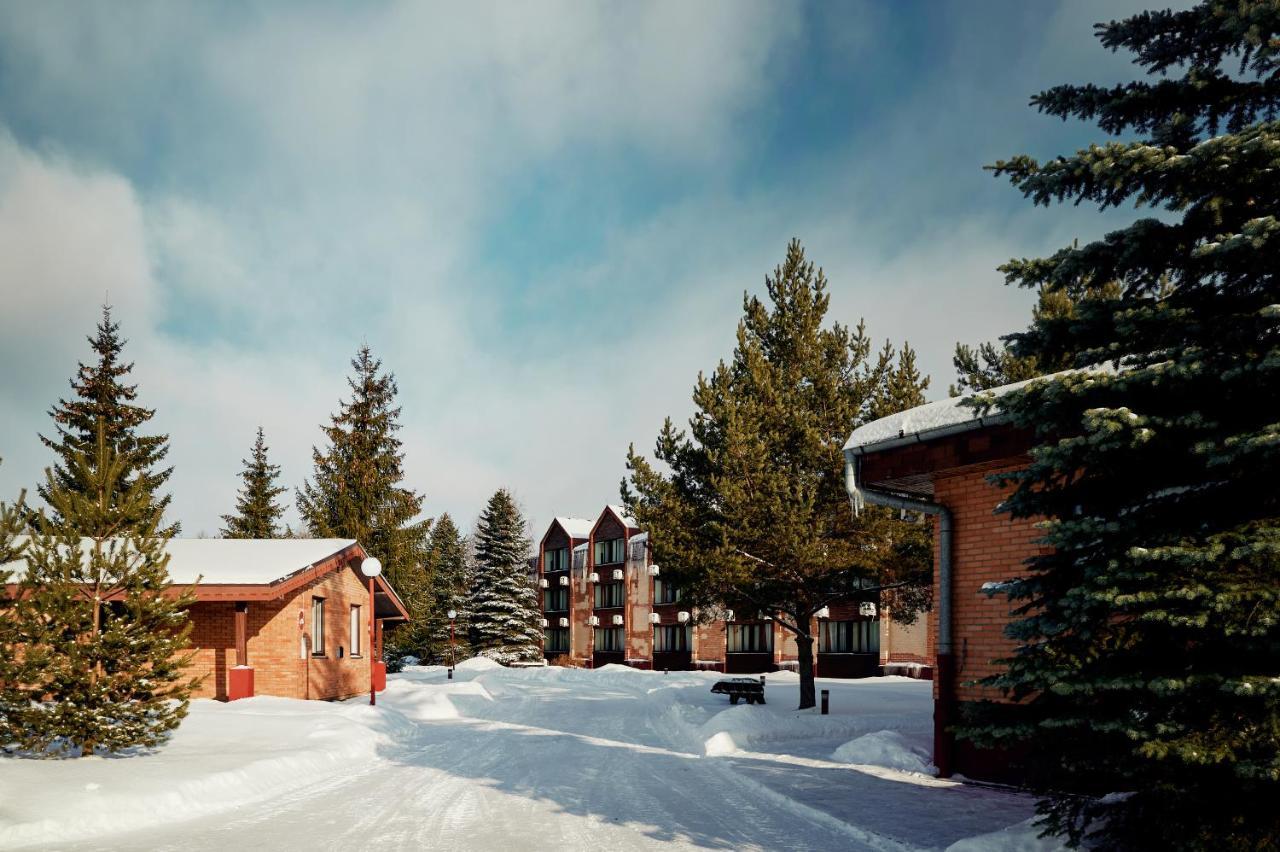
[[452, 615], [371, 568]]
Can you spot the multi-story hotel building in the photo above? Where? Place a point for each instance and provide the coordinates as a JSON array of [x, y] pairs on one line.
[[605, 601]]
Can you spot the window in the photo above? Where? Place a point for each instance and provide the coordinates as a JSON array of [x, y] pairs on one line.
[[556, 640], [609, 552], [639, 549], [608, 638], [849, 637], [555, 560], [665, 592], [357, 625], [750, 638], [557, 600], [608, 595], [671, 637], [317, 627], [580, 559]]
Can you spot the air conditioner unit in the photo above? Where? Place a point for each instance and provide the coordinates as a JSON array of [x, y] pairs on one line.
[[593, 577], [594, 621], [564, 622], [617, 573], [564, 581], [867, 609], [654, 618], [617, 621], [653, 570], [682, 617], [825, 612], [544, 622], [543, 583]]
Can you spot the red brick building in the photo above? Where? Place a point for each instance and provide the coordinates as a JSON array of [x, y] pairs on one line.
[[937, 459], [287, 617], [605, 601]]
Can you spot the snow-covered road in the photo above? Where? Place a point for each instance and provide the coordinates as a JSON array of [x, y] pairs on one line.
[[502, 759]]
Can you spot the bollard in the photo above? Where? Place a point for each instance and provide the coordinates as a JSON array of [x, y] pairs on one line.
[[666, 671], [826, 701], [762, 681], [450, 674]]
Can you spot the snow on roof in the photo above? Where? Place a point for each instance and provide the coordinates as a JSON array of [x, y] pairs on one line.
[[233, 561], [931, 420], [622, 514], [576, 527]]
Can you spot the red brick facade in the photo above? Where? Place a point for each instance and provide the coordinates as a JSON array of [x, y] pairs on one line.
[[279, 651]]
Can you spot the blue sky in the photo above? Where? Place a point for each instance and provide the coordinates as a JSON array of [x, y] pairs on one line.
[[541, 217]]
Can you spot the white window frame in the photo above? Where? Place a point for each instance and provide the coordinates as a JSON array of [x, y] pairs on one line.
[[356, 632], [317, 627]]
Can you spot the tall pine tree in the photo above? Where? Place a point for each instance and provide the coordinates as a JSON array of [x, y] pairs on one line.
[[1149, 658], [257, 513], [11, 665], [446, 588], [754, 513], [102, 396], [989, 365], [503, 605], [102, 636], [358, 489]]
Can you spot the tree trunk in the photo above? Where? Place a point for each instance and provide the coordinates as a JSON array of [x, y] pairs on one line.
[[804, 652]]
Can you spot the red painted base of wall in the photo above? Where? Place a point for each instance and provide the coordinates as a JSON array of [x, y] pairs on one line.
[[379, 676], [240, 683]]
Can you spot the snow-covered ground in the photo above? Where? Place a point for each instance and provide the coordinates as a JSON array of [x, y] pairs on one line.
[[515, 759]]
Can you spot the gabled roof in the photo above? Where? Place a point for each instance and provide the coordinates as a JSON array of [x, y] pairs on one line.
[[626, 519], [257, 569], [576, 528], [236, 561]]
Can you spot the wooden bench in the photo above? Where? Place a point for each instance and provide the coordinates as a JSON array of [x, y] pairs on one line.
[[741, 687]]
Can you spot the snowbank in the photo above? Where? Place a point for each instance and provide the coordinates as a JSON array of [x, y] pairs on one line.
[[224, 756], [1022, 837], [477, 664], [885, 748]]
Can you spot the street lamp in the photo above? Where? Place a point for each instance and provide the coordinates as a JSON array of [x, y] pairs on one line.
[[371, 568], [452, 615]]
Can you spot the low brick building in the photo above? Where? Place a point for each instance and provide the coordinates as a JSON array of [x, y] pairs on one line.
[[938, 459], [286, 617]]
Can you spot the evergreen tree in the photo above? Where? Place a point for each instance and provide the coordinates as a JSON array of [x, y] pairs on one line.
[[990, 366], [257, 513], [754, 513], [503, 605], [1149, 658], [11, 547], [446, 588], [358, 491], [101, 396], [102, 638]]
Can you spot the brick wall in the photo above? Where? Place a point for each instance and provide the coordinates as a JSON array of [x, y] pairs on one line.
[[985, 547], [275, 642]]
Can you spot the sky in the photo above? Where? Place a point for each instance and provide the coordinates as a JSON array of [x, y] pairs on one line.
[[541, 217]]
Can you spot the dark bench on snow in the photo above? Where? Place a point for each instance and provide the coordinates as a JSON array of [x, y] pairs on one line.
[[741, 687]]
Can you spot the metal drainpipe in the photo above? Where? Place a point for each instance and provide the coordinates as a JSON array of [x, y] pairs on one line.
[[943, 740]]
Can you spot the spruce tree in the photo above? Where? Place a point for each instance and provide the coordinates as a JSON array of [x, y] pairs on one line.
[[445, 589], [502, 604], [1149, 658], [989, 366], [100, 395], [11, 527], [257, 513], [357, 490], [754, 513], [103, 637]]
